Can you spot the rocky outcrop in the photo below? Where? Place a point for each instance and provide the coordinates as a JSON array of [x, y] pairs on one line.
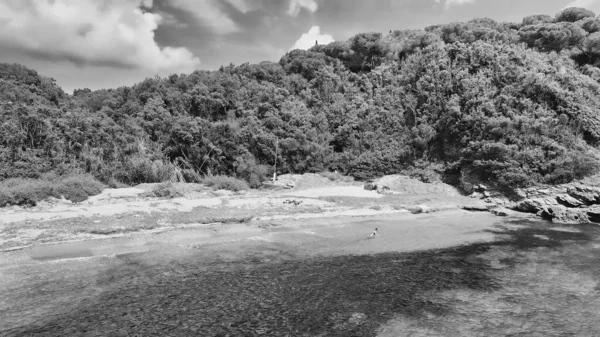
[[567, 203], [572, 203]]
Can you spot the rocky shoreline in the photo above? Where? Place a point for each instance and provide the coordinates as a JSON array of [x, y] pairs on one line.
[[571, 203]]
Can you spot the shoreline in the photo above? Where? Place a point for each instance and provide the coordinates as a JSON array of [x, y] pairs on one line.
[[124, 212]]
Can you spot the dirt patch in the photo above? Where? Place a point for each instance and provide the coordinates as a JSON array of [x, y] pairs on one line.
[[315, 180]]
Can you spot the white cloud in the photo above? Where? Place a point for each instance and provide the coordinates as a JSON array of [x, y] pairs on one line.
[[581, 3], [307, 40], [89, 32], [240, 5], [449, 3], [209, 15], [297, 5]]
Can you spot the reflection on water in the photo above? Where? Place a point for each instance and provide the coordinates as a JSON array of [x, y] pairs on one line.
[[64, 251]]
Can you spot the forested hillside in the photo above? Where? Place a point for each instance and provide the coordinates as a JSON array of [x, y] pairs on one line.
[[516, 103]]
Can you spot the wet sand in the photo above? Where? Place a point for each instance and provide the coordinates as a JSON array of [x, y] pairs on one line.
[[442, 274]]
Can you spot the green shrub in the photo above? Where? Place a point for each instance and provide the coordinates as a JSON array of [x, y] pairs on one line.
[[28, 192], [225, 183], [166, 190], [425, 172], [191, 176], [139, 170]]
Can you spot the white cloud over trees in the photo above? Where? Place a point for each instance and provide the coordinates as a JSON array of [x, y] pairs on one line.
[[307, 40], [89, 32]]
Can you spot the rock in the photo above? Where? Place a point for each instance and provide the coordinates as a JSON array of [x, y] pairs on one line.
[[500, 211], [501, 202], [478, 207], [482, 187], [370, 186], [503, 211], [586, 194], [486, 194], [535, 205], [568, 201], [562, 214], [521, 193], [594, 215], [467, 187], [420, 209], [357, 318], [476, 195]]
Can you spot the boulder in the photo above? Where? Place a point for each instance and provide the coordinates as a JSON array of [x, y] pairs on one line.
[[467, 187], [476, 195], [479, 206], [594, 215], [357, 318], [370, 186], [585, 194], [568, 201], [420, 209], [521, 193], [500, 211], [562, 214], [535, 205]]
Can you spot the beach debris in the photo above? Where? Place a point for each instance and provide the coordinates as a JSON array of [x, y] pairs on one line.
[[293, 201]]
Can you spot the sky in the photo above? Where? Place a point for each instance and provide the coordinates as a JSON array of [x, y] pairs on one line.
[[99, 44]]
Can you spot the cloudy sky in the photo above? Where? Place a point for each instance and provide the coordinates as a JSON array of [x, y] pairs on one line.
[[108, 43]]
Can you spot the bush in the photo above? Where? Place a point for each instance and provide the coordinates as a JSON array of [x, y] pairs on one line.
[[166, 190], [28, 192], [225, 183], [335, 176], [139, 170], [191, 176], [425, 172]]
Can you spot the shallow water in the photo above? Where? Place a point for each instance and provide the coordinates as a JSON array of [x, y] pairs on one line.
[[318, 278]]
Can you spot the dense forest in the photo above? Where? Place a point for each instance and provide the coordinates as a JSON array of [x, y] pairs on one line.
[[513, 103]]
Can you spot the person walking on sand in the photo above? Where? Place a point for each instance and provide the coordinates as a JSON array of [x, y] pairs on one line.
[[374, 234]]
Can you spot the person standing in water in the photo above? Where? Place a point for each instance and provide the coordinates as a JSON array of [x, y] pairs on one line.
[[374, 234]]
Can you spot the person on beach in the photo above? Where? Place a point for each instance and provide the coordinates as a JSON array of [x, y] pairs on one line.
[[374, 234]]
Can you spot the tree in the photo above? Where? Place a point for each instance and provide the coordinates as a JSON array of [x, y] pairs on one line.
[[553, 36], [537, 19], [574, 14]]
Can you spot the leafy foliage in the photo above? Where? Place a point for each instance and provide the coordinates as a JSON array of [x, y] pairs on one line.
[[28, 192], [514, 103], [225, 183]]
